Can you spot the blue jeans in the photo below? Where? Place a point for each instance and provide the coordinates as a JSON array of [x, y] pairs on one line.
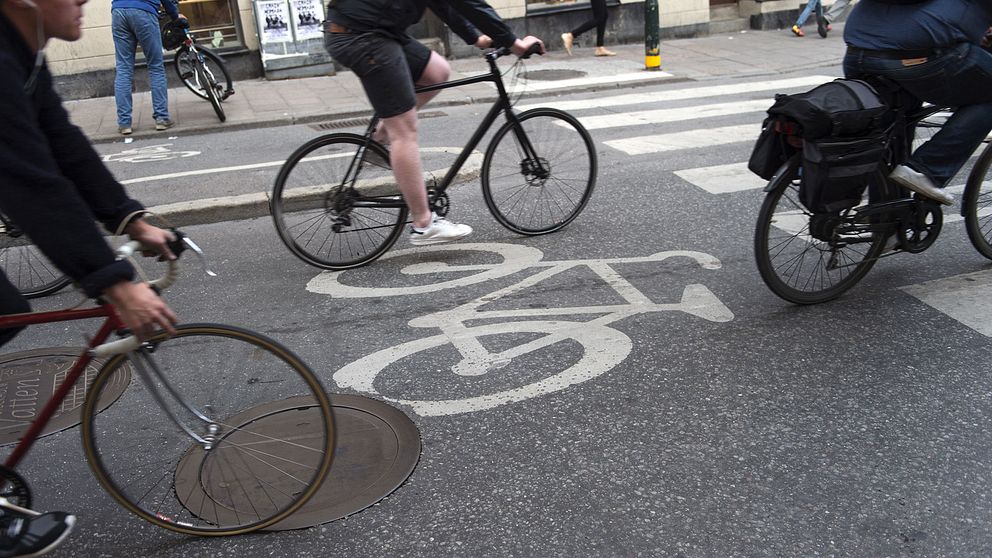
[[810, 6], [960, 77], [132, 27]]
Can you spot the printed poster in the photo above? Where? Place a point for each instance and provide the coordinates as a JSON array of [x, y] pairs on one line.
[[273, 21], [308, 15]]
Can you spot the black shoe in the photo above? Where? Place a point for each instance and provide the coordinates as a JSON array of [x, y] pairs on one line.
[[822, 26], [27, 535]]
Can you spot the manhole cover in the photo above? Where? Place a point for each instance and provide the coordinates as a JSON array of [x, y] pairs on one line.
[[553, 75], [377, 449], [29, 378]]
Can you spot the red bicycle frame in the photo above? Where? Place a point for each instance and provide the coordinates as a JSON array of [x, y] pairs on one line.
[[110, 325]]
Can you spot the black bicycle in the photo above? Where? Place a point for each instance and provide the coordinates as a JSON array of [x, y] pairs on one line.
[[204, 73], [808, 258], [336, 206], [24, 264]]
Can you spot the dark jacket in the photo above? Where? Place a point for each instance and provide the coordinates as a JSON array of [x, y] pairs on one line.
[[392, 17], [52, 182]]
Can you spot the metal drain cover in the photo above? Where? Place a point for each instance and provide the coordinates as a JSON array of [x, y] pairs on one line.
[[28, 379], [553, 75]]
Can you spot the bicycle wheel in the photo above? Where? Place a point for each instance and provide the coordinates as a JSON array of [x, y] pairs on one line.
[[265, 427], [211, 89], [795, 265], [185, 63], [325, 221], [977, 204], [25, 266], [539, 196]]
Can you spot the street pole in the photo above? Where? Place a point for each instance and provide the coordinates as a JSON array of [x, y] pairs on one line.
[[652, 57]]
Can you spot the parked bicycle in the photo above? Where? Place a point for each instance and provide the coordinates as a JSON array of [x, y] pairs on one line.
[[24, 264], [808, 258], [336, 205], [225, 432], [202, 71]]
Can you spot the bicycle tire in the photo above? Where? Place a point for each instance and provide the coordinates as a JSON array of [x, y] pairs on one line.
[[211, 89], [254, 391], [25, 266], [792, 262], [977, 204], [310, 199], [184, 62], [516, 192]]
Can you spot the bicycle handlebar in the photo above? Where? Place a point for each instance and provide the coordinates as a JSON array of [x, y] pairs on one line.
[[504, 51], [177, 246]]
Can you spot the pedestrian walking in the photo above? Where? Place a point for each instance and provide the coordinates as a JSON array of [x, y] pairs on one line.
[[599, 16], [821, 24], [833, 12], [133, 23]]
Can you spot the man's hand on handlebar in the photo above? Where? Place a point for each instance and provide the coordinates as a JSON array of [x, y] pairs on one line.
[[140, 308], [523, 46], [153, 238], [483, 42]]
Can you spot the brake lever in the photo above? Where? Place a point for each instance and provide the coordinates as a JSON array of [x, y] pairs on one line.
[[199, 254]]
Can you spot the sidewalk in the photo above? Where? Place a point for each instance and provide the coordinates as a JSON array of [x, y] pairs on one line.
[[261, 103]]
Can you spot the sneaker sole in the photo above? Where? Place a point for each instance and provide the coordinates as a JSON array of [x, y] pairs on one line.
[[909, 185], [70, 524], [430, 241]]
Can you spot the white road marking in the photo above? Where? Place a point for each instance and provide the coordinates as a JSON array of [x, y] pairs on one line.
[[661, 116], [722, 179], [524, 85], [964, 298], [686, 140], [684, 94]]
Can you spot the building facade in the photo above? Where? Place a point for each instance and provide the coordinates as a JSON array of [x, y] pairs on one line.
[[245, 31]]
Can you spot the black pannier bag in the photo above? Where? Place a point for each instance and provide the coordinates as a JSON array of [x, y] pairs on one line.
[[172, 33], [843, 127]]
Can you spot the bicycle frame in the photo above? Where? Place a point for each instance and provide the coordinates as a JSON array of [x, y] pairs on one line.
[[111, 324], [501, 105]]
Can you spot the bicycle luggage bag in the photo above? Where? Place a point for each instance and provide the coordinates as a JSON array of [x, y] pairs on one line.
[[840, 108], [836, 171]]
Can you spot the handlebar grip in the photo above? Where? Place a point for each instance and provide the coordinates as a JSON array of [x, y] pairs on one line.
[[172, 271], [534, 49]]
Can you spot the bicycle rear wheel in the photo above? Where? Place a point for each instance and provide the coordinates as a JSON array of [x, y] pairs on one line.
[[210, 86], [325, 221], [185, 63], [795, 265], [977, 204], [537, 196], [25, 266], [267, 432]]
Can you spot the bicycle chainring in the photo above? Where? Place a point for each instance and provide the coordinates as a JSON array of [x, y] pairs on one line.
[[921, 227], [13, 488], [440, 203]]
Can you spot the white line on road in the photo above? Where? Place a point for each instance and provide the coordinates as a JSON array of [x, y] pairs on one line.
[[686, 140], [661, 116], [533, 85], [964, 298], [723, 179]]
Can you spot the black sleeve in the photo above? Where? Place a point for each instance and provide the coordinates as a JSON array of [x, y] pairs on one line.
[[478, 13], [461, 26], [42, 156], [171, 8]]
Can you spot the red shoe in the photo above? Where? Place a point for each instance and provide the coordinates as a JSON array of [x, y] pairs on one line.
[[797, 31]]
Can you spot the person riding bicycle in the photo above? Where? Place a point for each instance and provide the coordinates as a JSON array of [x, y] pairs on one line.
[[932, 49], [370, 38], [54, 184]]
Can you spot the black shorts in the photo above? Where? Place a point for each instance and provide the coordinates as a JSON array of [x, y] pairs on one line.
[[386, 67]]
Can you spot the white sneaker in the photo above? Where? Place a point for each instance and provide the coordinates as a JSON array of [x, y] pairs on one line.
[[440, 230], [921, 184]]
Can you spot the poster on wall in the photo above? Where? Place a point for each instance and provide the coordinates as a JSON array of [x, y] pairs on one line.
[[308, 15], [273, 21]]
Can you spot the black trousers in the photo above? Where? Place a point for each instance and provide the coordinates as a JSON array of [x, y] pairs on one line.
[[598, 21]]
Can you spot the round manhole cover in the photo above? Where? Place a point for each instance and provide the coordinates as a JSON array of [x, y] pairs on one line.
[[28, 379], [553, 75], [377, 449]]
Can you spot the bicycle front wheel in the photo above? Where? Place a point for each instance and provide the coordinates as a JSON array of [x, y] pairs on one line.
[[331, 212], [185, 63], [211, 87], [539, 172], [239, 437], [977, 204], [793, 263], [25, 266]]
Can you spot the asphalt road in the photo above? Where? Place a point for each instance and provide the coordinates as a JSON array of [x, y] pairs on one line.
[[714, 421]]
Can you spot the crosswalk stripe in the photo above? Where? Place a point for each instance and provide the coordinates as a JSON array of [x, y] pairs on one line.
[[523, 85], [661, 116], [706, 137], [682, 94], [964, 298], [723, 179]]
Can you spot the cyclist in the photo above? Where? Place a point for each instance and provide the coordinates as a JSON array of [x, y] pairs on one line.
[[370, 38], [932, 50], [53, 184]]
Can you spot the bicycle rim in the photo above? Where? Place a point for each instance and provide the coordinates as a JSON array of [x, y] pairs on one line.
[[272, 446], [977, 204], [211, 87], [539, 196], [322, 219], [795, 266], [26, 267], [185, 65]]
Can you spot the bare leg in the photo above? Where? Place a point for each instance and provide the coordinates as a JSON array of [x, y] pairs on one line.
[[437, 71], [404, 157]]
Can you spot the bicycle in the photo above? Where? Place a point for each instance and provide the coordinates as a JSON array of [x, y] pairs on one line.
[[203, 73], [24, 264], [515, 345], [336, 206], [226, 432], [809, 258]]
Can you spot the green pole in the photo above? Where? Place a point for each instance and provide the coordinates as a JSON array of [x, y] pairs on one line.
[[652, 57]]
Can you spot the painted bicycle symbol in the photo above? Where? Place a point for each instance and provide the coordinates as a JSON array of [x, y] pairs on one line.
[[148, 153], [520, 344]]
